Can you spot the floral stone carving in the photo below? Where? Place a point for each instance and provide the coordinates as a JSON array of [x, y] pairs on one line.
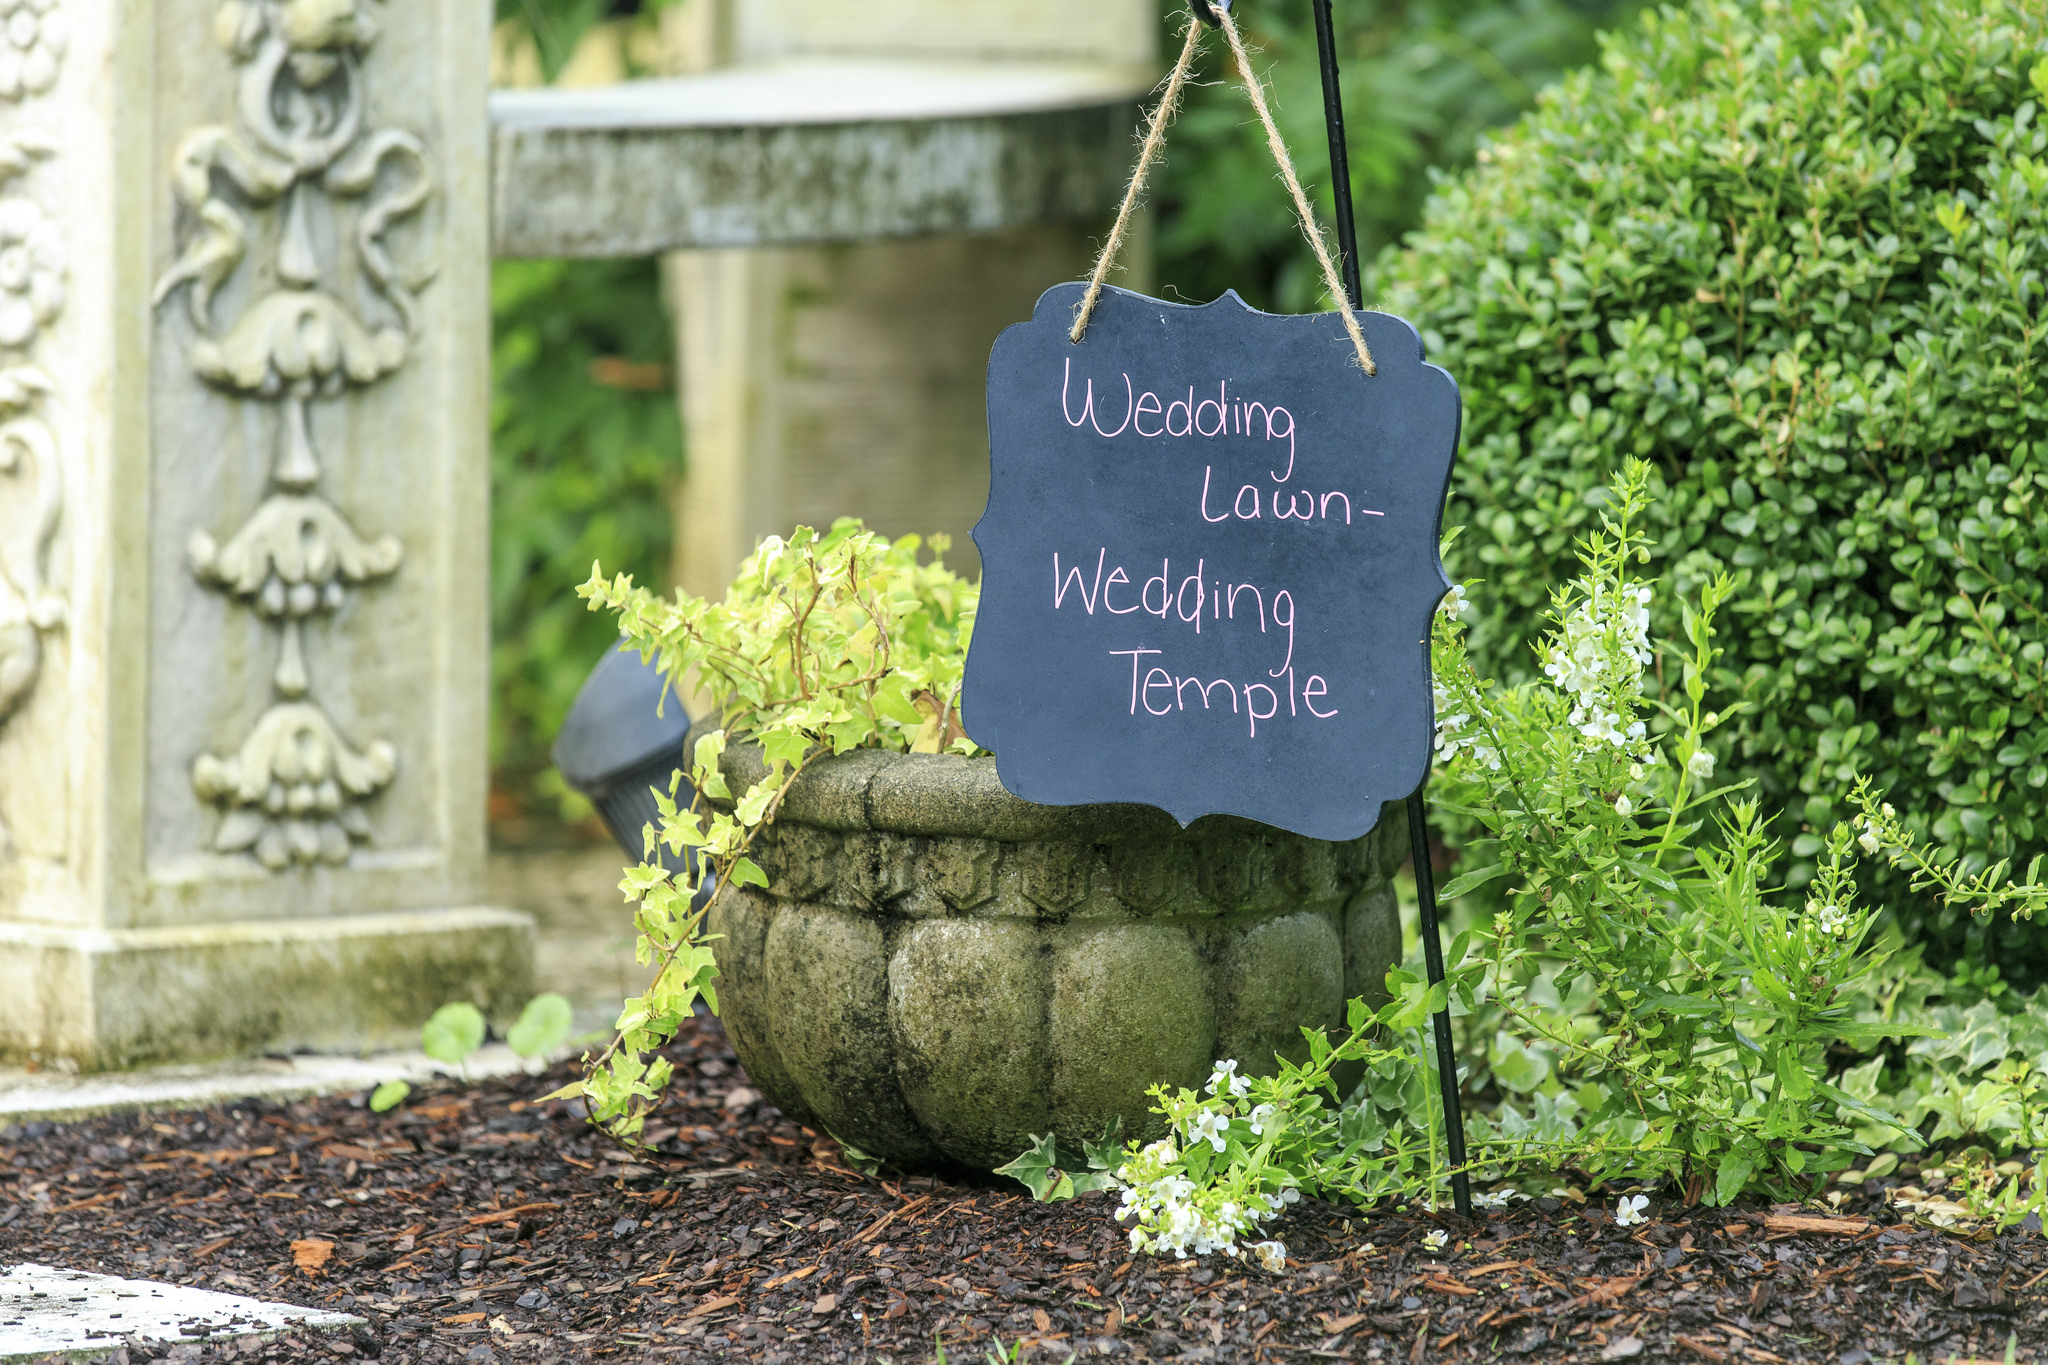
[[295, 558], [32, 285], [290, 791], [293, 792], [33, 37]]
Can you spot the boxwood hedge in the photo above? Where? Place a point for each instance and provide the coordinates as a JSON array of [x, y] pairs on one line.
[[1791, 252]]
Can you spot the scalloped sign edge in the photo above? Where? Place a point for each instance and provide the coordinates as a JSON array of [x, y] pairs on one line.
[[1399, 765]]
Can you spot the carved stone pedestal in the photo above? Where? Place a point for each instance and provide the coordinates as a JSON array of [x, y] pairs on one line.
[[243, 522]]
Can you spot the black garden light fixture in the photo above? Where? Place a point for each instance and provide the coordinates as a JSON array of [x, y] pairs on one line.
[[620, 742]]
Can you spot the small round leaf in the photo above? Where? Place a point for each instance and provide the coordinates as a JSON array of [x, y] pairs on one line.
[[543, 1025], [453, 1033], [388, 1096]]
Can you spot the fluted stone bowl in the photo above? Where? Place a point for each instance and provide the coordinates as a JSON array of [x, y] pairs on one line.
[[939, 970]]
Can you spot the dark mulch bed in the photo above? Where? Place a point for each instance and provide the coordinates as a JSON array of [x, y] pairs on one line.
[[473, 1225]]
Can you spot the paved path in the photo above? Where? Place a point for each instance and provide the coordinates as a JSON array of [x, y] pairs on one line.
[[44, 1310]]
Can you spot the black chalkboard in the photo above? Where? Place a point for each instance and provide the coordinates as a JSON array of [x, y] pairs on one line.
[[1209, 560]]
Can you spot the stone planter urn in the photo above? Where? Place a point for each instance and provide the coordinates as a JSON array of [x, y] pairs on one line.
[[939, 970]]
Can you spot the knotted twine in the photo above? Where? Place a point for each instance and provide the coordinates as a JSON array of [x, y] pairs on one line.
[[1155, 139]]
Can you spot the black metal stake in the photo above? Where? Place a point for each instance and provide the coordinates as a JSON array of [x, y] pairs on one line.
[[1433, 958], [1418, 815]]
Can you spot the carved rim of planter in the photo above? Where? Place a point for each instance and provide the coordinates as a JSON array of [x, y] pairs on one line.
[[945, 796]]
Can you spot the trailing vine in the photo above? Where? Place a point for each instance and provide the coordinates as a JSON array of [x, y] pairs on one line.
[[822, 645]]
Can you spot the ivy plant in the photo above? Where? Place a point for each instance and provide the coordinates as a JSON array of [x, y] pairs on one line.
[[822, 645]]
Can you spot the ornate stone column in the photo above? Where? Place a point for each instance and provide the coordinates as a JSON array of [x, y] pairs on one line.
[[243, 524]]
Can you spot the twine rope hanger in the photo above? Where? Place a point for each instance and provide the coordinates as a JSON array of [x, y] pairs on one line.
[[1155, 140]]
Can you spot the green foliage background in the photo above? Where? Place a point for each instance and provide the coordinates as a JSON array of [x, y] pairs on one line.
[[580, 471], [1790, 252], [1424, 82]]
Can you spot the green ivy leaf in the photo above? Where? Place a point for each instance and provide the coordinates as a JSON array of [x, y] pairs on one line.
[[1038, 1170], [892, 699], [1107, 1154], [865, 1162]]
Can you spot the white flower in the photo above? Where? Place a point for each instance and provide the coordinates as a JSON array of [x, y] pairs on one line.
[[1700, 765], [1455, 603], [1437, 1240], [1597, 655], [1832, 919], [1630, 1211], [1493, 1199], [1604, 725], [1623, 806], [31, 270], [32, 38], [1224, 1075], [1208, 1126], [1290, 1195], [1868, 838], [1259, 1115], [1450, 737], [1272, 1255]]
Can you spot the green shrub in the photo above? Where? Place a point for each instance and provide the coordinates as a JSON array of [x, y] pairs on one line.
[[1790, 252]]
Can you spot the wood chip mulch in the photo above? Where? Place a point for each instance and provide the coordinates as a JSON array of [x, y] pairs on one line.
[[473, 1225]]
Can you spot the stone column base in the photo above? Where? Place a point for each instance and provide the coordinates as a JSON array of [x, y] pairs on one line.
[[107, 999]]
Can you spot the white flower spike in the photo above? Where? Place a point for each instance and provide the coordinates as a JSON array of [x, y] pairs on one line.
[[1630, 1211], [1225, 1076]]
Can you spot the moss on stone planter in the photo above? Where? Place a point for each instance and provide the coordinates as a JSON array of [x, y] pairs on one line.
[[939, 970]]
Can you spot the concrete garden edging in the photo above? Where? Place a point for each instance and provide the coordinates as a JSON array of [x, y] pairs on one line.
[[938, 970]]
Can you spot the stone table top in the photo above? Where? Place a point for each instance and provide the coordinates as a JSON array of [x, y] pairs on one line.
[[809, 151], [812, 90]]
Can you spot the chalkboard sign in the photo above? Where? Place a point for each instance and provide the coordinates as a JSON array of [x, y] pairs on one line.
[[1209, 560]]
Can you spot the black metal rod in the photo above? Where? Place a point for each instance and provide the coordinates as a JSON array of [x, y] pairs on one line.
[[1340, 155], [1433, 958], [1418, 814]]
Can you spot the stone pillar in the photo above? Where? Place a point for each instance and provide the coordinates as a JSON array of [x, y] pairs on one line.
[[847, 380], [243, 524]]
